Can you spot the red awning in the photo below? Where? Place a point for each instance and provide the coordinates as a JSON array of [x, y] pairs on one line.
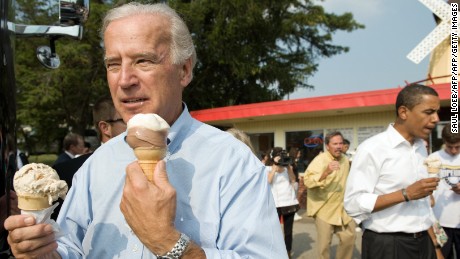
[[307, 105]]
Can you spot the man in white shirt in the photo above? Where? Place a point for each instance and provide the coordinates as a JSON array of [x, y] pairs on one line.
[[388, 187], [447, 195]]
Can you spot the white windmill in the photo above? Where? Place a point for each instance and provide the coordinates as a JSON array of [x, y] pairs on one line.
[[437, 40]]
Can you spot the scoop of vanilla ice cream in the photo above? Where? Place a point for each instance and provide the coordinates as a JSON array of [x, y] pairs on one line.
[[432, 162], [147, 130], [150, 121], [38, 179]]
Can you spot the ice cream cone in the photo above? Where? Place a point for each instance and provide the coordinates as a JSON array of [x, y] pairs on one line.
[[148, 158], [148, 167], [433, 170], [31, 202], [433, 166]]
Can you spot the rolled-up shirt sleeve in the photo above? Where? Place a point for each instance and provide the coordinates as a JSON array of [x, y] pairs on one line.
[[360, 198]]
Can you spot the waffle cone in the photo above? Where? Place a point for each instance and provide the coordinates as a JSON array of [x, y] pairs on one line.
[[148, 158], [148, 167], [433, 170], [33, 202]]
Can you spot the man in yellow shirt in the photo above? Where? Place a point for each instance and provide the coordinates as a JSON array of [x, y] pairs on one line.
[[325, 180]]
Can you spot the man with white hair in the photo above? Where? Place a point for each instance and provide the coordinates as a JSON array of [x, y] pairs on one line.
[[210, 197]]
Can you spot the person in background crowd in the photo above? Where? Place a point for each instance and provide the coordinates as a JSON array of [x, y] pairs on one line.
[[345, 149], [292, 156], [325, 179], [299, 167], [299, 162], [427, 145], [107, 121], [447, 195], [73, 145], [108, 124], [282, 180], [265, 158], [209, 197], [388, 187], [21, 159], [86, 149], [243, 137]]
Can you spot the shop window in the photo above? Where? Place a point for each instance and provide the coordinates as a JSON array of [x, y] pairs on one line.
[[309, 143]]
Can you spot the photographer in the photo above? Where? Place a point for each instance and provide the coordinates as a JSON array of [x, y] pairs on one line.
[[282, 180]]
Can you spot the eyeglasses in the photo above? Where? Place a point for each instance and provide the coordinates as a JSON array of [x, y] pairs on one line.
[[115, 120]]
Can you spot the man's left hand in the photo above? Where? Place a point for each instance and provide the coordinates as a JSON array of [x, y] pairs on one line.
[[150, 208]]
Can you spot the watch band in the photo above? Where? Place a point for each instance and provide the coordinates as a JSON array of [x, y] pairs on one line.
[[178, 249], [404, 193]]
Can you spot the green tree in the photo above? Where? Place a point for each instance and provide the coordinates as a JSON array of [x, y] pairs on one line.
[[257, 50]]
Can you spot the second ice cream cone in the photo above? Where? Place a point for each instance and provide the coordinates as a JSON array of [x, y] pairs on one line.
[[33, 202]]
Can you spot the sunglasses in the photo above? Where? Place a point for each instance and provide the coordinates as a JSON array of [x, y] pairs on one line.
[[116, 120]]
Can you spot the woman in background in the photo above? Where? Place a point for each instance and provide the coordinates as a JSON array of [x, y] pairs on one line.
[[282, 180]]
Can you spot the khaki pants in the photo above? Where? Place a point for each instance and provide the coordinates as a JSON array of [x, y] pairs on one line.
[[346, 235]]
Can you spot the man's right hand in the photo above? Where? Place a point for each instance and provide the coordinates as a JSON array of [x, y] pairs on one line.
[[422, 188], [333, 165], [28, 240]]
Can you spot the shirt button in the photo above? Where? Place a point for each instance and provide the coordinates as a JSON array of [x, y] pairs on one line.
[[135, 248]]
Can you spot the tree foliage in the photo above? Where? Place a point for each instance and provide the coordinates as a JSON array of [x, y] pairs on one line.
[[248, 51], [53, 102], [257, 50]]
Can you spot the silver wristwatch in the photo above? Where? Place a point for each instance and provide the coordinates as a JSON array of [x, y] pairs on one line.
[[178, 249]]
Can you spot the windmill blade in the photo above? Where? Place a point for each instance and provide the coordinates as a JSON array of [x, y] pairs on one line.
[[438, 7], [430, 42], [442, 10]]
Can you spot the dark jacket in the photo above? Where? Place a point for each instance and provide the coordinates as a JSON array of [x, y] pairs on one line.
[[66, 171], [62, 158]]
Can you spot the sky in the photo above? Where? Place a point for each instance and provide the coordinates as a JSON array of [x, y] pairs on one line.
[[377, 57]]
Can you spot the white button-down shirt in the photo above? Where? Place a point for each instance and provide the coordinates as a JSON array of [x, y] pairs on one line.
[[383, 164]]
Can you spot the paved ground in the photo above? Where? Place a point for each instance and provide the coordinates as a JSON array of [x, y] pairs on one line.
[[304, 240]]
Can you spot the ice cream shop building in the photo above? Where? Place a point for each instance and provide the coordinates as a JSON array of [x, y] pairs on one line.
[[302, 123]]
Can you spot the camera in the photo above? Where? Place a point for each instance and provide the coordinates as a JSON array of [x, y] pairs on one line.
[[285, 159]]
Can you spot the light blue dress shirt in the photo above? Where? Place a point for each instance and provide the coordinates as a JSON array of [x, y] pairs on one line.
[[224, 201]]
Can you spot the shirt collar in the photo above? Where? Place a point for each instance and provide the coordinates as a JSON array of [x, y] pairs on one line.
[[420, 145], [179, 129], [69, 154], [396, 138]]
